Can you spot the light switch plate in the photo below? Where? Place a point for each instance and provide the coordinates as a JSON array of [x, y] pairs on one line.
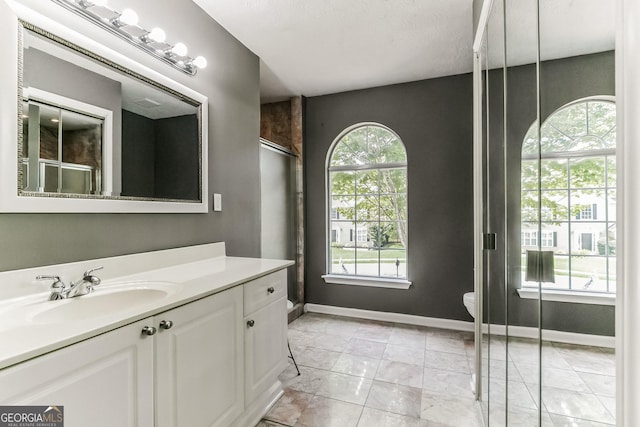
[[217, 202]]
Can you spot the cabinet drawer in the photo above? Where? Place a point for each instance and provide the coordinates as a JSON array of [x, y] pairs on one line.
[[264, 290]]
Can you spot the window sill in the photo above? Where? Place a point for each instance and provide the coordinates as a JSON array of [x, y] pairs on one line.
[[568, 296], [367, 281]]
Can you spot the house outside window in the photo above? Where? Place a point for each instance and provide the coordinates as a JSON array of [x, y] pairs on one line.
[[367, 188], [575, 196]]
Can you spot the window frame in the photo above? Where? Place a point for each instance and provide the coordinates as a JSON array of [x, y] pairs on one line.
[[606, 297], [352, 279]]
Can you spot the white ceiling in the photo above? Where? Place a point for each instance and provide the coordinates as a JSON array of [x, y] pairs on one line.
[[316, 47]]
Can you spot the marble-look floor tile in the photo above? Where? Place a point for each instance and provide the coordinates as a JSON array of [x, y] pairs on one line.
[[289, 407], [408, 338], [308, 381], [587, 359], [346, 388], [375, 418], [500, 369], [400, 353], [511, 394], [360, 366], [577, 405], [444, 344], [365, 348], [374, 332], [317, 358], [400, 373], [447, 382], [325, 412], [603, 385], [328, 342], [450, 410], [566, 379], [560, 421], [517, 416], [396, 398], [609, 403], [446, 361]]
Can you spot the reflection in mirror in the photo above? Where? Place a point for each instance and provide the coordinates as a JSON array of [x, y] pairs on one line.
[[93, 128]]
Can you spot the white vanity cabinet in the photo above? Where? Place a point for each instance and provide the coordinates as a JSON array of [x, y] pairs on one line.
[[213, 362], [265, 338], [199, 362], [103, 381]]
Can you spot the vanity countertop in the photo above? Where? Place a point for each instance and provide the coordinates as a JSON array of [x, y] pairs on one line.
[[189, 273]]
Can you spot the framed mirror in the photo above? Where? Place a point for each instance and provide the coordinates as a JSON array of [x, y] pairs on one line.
[[98, 134]]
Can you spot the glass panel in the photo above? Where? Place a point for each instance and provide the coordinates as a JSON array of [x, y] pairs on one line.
[[342, 250], [588, 205], [553, 140], [611, 171], [368, 145], [367, 182], [530, 144], [393, 180], [555, 206], [343, 183], [393, 207], [554, 174], [587, 173], [571, 121], [612, 240], [49, 181], [611, 205], [49, 123], [602, 120], [612, 274], [81, 145], [529, 174], [589, 273], [367, 208]]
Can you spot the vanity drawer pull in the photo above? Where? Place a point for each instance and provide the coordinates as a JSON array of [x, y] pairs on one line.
[[166, 324], [250, 323], [148, 330], [271, 289]]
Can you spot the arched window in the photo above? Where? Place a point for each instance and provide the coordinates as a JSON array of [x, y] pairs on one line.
[[577, 195], [367, 204]]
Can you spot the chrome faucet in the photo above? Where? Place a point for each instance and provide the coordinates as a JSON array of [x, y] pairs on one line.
[[78, 288]]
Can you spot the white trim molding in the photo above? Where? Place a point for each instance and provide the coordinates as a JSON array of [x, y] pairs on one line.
[[461, 325], [595, 298], [383, 316], [376, 282]]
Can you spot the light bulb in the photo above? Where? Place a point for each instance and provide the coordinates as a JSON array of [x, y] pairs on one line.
[[99, 2], [128, 17], [200, 62], [180, 49], [157, 35]]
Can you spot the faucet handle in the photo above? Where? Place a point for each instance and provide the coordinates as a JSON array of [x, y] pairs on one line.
[[89, 277], [57, 283], [91, 270]]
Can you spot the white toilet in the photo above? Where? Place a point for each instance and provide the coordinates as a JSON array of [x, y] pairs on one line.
[[469, 300]]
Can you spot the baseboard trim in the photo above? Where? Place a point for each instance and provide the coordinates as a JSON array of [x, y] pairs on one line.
[[461, 325], [383, 316]]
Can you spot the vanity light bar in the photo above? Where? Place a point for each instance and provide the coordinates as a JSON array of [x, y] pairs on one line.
[[125, 25]]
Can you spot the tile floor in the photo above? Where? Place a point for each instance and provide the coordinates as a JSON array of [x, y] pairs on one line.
[[362, 373]]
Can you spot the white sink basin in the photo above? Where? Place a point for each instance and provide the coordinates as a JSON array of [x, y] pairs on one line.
[[103, 301]]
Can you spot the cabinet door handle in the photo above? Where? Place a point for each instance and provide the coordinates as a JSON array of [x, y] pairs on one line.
[[250, 323], [166, 324], [270, 289], [148, 330]]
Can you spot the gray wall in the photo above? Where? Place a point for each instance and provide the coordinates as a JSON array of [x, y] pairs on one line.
[[231, 81], [138, 155], [43, 71], [434, 120], [561, 81]]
